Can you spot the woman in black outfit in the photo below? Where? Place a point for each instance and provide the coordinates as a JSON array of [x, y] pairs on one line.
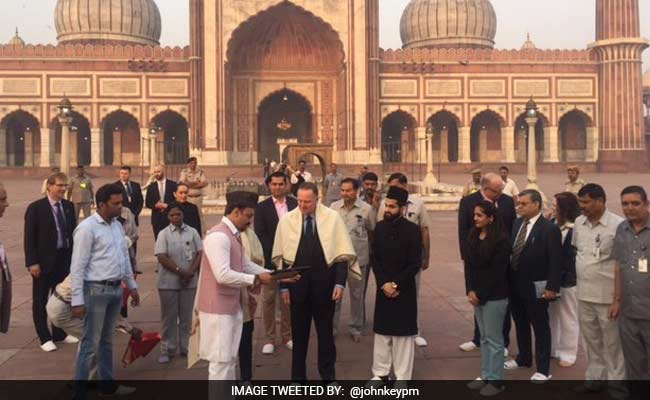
[[563, 313], [487, 261]]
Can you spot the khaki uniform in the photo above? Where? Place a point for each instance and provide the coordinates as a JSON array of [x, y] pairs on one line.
[[471, 188], [574, 187], [195, 195], [81, 190]]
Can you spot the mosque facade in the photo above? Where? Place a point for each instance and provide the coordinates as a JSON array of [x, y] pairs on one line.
[[258, 73]]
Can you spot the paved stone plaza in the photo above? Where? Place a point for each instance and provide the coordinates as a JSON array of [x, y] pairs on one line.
[[446, 317]]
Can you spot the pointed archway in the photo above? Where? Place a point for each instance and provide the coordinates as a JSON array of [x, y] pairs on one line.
[[574, 128], [284, 46], [445, 136], [174, 141], [283, 115], [79, 141], [21, 136], [121, 132], [397, 137], [485, 137]]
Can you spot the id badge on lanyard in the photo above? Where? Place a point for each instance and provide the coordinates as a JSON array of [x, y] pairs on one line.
[[643, 265]]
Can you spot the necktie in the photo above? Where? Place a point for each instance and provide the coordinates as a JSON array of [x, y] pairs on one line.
[[309, 227], [128, 189], [61, 226], [519, 245]]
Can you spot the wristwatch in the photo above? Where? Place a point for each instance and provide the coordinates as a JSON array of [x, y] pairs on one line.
[[256, 281]]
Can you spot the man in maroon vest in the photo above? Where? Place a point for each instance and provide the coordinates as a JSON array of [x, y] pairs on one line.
[[225, 269]]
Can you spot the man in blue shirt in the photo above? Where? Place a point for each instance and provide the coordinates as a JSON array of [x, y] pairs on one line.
[[100, 261]]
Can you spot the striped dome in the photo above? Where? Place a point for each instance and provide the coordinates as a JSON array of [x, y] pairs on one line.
[[448, 23], [108, 21]]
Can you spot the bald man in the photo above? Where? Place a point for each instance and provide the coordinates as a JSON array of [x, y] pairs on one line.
[[160, 194], [491, 189]]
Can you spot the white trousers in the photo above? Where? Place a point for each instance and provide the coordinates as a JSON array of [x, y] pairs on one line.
[[220, 337], [395, 351], [565, 329]]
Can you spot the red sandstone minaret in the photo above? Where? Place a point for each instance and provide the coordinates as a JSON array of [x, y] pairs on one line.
[[618, 49]]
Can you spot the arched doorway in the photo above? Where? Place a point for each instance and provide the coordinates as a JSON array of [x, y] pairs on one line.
[[573, 131], [521, 138], [283, 115], [288, 49], [21, 134], [174, 137], [121, 132], [397, 137], [485, 137], [79, 139], [445, 136]]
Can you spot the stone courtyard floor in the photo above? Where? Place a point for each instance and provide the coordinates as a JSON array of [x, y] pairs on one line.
[[445, 315]]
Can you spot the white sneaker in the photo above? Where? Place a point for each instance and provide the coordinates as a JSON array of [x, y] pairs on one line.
[[506, 353], [48, 346], [511, 364], [289, 345], [420, 341], [539, 378], [70, 340], [268, 349], [468, 346]]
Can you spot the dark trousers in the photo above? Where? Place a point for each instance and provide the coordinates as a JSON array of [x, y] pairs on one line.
[[41, 290], [527, 312], [507, 325], [246, 352], [302, 313]]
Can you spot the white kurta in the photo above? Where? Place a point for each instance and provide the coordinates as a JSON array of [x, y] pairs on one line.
[[221, 334]]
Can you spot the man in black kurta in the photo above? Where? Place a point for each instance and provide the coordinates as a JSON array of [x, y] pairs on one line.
[[397, 253]]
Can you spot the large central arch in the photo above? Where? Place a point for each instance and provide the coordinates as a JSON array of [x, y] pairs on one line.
[[283, 115], [284, 46]]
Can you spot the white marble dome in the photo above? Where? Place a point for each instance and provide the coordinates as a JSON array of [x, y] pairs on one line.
[[108, 21], [448, 24]]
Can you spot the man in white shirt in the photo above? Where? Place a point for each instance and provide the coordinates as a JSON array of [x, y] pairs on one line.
[[510, 187], [226, 269]]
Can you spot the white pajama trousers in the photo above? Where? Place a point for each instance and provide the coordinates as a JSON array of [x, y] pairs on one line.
[[219, 344], [395, 351], [565, 328]]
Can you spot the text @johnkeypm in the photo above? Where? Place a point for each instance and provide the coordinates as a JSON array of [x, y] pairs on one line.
[[355, 392]]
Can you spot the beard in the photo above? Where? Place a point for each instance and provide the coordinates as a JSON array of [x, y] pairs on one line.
[[390, 217]]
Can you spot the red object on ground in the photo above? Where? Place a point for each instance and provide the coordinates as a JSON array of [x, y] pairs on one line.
[[140, 347]]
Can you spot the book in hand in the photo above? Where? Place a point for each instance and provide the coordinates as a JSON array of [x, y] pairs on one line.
[[289, 272]]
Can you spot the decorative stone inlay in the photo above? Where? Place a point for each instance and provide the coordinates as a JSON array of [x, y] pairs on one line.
[[575, 87], [70, 86], [444, 88], [20, 87], [114, 87], [487, 88], [399, 88], [531, 87], [168, 87]]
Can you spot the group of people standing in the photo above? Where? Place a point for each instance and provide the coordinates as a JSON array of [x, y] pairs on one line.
[[577, 271], [312, 253]]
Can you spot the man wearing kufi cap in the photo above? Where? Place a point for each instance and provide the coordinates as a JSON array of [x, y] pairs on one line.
[[225, 269], [397, 249]]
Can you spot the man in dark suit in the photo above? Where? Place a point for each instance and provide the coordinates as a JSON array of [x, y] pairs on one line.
[[491, 190], [314, 296], [49, 223], [534, 280], [132, 193], [160, 194], [267, 216]]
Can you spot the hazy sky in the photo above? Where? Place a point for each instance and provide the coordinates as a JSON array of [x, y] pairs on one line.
[[551, 23]]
